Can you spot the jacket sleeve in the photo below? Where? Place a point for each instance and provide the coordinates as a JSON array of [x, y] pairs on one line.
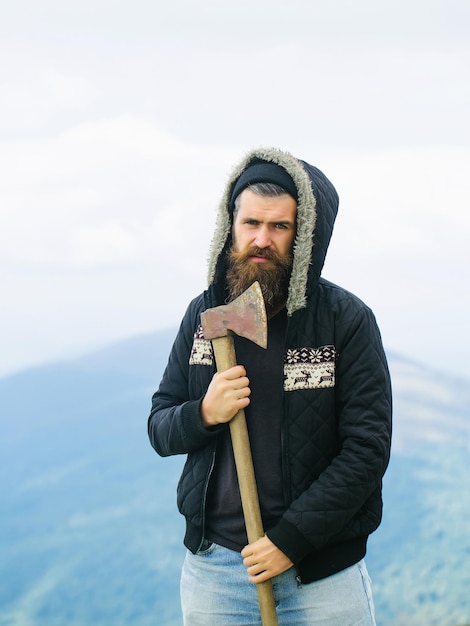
[[326, 511], [175, 424]]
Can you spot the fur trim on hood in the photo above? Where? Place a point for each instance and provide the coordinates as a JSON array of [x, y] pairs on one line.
[[316, 211]]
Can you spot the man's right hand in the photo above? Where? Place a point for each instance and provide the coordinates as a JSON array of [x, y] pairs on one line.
[[227, 393]]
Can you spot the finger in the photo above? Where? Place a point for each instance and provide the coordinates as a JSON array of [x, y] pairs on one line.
[[238, 383], [246, 551], [260, 578], [255, 569], [234, 372], [258, 573], [244, 392], [254, 563]]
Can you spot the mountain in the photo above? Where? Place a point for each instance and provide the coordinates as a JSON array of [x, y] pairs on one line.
[[90, 534], [420, 556]]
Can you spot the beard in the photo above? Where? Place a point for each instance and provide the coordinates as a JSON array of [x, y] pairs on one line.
[[273, 275]]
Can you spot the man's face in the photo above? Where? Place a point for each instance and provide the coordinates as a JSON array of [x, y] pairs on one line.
[[263, 236], [264, 223]]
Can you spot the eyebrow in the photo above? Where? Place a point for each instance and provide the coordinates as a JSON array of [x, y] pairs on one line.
[[254, 219]]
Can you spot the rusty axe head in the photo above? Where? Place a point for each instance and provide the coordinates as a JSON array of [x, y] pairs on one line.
[[245, 316]]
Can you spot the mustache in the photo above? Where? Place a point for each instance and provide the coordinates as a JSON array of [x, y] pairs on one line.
[[264, 253]]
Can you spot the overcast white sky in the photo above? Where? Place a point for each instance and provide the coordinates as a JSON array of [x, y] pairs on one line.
[[119, 124]]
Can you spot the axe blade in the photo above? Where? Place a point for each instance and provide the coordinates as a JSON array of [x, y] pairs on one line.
[[245, 316]]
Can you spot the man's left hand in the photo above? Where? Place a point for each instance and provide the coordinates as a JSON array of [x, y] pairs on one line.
[[264, 560]]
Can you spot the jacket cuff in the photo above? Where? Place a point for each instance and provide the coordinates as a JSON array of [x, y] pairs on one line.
[[193, 426], [290, 541]]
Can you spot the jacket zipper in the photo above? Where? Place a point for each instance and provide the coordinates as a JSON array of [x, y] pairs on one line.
[[208, 303], [284, 444], [284, 447], [204, 498]]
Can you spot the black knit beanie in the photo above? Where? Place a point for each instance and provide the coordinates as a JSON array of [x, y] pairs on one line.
[[263, 172]]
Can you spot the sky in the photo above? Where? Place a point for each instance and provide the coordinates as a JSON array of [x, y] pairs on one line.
[[121, 121]]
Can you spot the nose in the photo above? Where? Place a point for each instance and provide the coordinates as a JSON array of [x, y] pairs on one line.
[[263, 238]]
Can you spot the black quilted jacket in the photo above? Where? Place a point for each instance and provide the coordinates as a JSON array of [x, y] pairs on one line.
[[336, 397]]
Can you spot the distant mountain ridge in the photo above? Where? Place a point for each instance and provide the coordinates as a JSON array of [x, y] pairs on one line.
[[89, 532]]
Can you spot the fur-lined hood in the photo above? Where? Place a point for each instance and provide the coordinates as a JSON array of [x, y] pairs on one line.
[[316, 212]]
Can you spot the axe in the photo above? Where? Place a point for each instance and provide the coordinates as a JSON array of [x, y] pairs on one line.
[[246, 317]]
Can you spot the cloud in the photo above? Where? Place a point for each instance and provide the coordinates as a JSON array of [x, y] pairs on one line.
[[410, 201], [104, 193], [119, 133], [400, 244], [101, 226], [120, 247]]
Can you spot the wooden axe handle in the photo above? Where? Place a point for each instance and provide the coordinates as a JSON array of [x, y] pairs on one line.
[[225, 358]]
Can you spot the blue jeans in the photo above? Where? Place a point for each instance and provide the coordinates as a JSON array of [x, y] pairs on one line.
[[215, 591]]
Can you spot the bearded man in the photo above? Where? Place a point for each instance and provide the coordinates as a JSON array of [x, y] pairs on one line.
[[317, 404]]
